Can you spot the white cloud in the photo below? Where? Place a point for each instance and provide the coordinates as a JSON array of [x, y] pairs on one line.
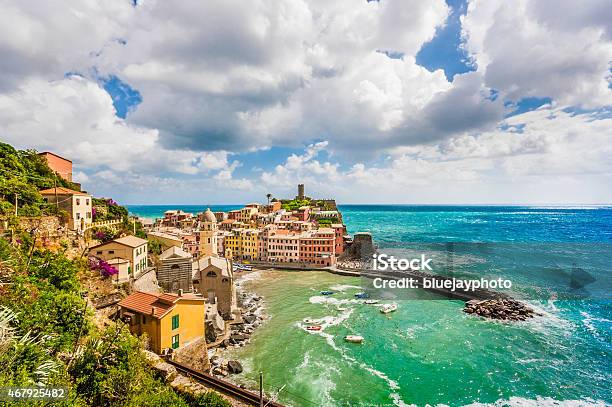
[[76, 118], [534, 48]]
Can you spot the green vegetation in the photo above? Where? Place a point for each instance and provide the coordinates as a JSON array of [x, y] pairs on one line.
[[47, 331], [327, 221], [47, 337], [22, 174], [294, 204]]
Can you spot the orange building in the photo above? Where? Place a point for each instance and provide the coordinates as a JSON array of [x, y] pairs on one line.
[[60, 165]]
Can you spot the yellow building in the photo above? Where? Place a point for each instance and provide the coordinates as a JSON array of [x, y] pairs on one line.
[[233, 243], [250, 242], [170, 321]]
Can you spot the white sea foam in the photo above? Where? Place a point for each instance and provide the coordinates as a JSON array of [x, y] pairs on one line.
[[540, 402], [344, 287], [588, 321], [324, 299]]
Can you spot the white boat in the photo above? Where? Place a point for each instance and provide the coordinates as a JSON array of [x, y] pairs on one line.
[[370, 302], [310, 321], [353, 338], [387, 308], [341, 308]]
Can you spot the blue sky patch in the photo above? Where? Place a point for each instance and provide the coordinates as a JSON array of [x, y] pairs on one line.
[[444, 51], [125, 98], [526, 105]]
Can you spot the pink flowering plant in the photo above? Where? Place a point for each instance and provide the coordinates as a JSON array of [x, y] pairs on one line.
[[105, 269]]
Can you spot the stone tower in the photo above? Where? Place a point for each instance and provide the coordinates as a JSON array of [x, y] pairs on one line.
[[300, 194], [208, 234]]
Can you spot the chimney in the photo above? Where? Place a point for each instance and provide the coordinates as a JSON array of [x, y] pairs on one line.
[[153, 311], [180, 292]]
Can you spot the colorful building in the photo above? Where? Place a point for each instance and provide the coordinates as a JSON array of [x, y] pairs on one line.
[[60, 165], [77, 204], [170, 321]]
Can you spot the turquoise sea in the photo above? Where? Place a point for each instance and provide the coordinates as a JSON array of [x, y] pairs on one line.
[[429, 352]]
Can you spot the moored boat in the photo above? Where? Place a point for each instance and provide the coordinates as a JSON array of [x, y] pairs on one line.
[[387, 308], [314, 328], [327, 292], [362, 295], [353, 338], [370, 302]]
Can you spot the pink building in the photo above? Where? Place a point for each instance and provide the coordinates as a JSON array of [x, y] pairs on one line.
[[283, 246], [60, 165]]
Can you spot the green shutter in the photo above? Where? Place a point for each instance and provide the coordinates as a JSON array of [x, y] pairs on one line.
[[175, 341], [175, 322]]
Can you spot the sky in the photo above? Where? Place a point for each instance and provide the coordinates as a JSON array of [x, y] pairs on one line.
[[406, 101]]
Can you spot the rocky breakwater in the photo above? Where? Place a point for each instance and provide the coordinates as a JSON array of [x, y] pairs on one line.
[[252, 316], [502, 309]]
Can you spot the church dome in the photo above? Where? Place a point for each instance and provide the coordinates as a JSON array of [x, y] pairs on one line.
[[209, 216]]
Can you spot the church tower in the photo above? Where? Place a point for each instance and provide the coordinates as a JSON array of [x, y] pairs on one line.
[[208, 234]]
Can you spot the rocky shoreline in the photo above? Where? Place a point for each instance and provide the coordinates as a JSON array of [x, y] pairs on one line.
[[502, 309], [252, 315]]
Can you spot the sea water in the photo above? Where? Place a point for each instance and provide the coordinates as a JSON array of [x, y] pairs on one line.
[[429, 351]]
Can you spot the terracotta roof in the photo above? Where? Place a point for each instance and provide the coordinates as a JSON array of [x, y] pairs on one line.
[[131, 241], [61, 191], [144, 302]]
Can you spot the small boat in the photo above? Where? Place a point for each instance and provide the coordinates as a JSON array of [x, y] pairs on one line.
[[362, 295], [353, 338], [327, 292], [341, 308], [314, 328], [309, 321], [370, 302], [387, 308]]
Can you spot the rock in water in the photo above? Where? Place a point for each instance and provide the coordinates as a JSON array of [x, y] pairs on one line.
[[504, 309], [234, 367]]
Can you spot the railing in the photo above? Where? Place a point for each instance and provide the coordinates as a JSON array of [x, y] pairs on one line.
[[102, 223]]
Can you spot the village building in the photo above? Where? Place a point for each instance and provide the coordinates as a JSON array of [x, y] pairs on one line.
[[207, 235], [123, 270], [318, 247], [170, 321], [131, 248], [60, 165], [77, 204], [213, 277], [166, 240], [174, 272]]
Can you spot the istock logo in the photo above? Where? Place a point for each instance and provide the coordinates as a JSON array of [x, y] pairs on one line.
[[383, 262]]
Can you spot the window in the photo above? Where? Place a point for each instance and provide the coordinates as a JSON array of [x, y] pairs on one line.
[[87, 202], [99, 252], [175, 322], [78, 216], [78, 201], [175, 341], [111, 252], [211, 274]]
